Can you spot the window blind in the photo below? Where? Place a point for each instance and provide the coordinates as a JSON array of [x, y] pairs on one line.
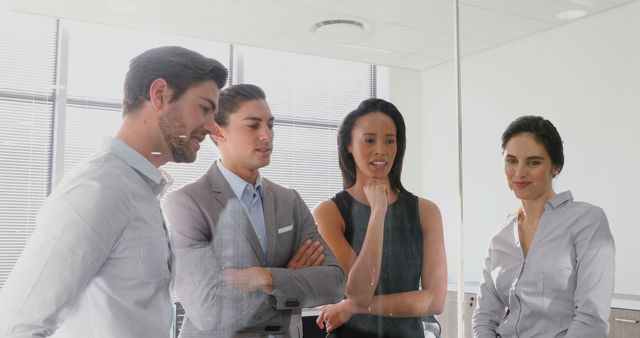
[[309, 96], [27, 75], [94, 108]]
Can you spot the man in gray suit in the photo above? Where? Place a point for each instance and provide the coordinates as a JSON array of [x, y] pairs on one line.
[[248, 253]]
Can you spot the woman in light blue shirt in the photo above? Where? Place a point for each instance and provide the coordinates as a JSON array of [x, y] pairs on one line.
[[549, 271]]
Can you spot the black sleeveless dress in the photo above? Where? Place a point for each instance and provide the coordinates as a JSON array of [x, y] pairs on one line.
[[401, 263]]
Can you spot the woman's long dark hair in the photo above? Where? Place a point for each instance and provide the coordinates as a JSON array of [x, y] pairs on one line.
[[347, 163]]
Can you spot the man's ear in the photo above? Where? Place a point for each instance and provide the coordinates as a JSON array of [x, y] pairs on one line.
[[218, 134], [160, 94]]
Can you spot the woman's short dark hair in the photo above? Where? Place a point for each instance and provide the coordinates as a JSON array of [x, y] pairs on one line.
[[543, 131], [232, 97], [180, 67], [347, 163]]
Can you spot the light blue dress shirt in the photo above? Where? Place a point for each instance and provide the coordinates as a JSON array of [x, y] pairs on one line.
[[251, 197], [97, 264], [562, 288]]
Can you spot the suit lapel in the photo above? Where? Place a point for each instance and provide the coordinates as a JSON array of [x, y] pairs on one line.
[[223, 193], [269, 209]]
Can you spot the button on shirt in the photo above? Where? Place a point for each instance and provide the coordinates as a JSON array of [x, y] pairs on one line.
[[97, 264], [562, 288], [251, 197]]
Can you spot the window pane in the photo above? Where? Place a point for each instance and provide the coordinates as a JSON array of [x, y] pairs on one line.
[[85, 128], [99, 56], [98, 61], [27, 73], [306, 87], [306, 158], [308, 96], [27, 54]]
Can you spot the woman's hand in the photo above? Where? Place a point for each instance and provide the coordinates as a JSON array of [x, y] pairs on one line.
[[376, 191], [333, 316]]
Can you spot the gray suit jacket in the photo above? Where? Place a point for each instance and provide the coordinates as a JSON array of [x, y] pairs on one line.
[[211, 232]]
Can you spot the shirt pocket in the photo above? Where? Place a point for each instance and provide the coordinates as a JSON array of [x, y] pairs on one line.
[[285, 242], [285, 237]]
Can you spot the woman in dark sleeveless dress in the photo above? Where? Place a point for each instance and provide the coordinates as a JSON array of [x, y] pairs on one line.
[[388, 241]]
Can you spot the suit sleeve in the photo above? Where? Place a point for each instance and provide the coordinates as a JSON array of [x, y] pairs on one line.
[[208, 302], [312, 286]]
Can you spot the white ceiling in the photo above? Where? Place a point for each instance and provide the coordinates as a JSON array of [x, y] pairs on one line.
[[415, 34]]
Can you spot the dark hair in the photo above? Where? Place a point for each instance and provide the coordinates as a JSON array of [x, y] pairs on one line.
[[544, 132], [347, 163], [180, 67], [232, 97]]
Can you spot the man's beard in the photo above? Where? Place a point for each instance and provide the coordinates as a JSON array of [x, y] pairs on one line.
[[172, 127]]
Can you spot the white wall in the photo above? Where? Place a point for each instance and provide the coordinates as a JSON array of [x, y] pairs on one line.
[[405, 92], [439, 162], [585, 77]]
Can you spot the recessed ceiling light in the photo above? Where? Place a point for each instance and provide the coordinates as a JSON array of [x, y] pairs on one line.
[[339, 29], [571, 14], [122, 7]]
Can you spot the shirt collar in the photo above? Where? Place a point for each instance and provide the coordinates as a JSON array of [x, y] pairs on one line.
[[560, 199], [159, 180], [237, 183]]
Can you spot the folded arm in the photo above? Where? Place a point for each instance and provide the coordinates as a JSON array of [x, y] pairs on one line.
[[309, 286], [209, 302]]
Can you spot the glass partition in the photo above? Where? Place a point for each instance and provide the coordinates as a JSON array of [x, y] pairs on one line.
[[576, 64]]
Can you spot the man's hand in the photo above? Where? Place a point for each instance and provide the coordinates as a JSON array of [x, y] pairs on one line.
[[249, 279], [309, 254], [259, 278]]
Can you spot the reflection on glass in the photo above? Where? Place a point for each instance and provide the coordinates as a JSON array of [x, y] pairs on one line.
[[580, 74]]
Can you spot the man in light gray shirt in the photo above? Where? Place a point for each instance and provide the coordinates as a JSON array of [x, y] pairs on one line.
[[99, 262]]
